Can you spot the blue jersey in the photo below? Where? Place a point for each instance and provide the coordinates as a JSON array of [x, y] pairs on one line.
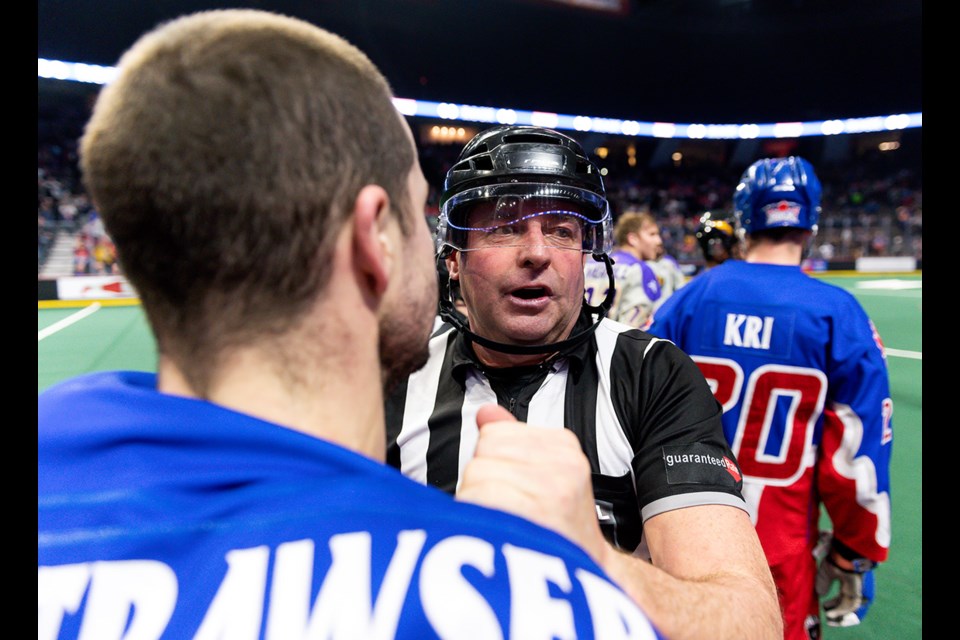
[[801, 373], [167, 517]]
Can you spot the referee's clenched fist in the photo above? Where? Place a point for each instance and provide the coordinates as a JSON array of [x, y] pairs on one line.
[[534, 472]]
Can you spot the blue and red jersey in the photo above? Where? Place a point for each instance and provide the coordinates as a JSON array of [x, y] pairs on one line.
[[801, 373]]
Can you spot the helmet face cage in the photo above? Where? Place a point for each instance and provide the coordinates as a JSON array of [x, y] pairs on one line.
[[498, 216], [778, 192]]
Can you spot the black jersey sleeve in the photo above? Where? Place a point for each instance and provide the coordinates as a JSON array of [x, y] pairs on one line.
[[681, 455]]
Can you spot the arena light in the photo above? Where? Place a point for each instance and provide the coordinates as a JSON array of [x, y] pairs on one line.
[[77, 72], [74, 71]]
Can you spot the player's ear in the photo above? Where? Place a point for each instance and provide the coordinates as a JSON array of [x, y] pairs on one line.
[[373, 244]]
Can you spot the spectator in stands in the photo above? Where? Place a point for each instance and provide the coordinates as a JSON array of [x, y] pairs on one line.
[[104, 256], [82, 260], [46, 228], [68, 213]]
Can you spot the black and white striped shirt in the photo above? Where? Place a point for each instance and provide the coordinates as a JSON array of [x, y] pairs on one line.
[[644, 413]]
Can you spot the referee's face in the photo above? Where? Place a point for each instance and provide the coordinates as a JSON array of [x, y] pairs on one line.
[[527, 293]]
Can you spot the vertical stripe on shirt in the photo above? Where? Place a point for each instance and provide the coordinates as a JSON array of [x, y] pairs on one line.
[[418, 406], [477, 392], [614, 450]]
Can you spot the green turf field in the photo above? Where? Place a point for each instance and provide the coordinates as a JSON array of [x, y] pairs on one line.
[[77, 338], [895, 304]]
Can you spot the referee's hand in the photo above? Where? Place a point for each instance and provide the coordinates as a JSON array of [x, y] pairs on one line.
[[538, 473]]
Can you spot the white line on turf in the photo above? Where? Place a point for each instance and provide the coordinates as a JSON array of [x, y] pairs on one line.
[[900, 353], [69, 320]]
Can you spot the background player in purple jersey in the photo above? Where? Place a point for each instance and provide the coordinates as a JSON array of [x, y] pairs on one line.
[[801, 373], [637, 235], [646, 241], [267, 204], [669, 274]]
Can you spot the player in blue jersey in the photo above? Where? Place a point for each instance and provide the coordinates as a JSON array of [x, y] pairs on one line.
[[267, 205], [801, 373]]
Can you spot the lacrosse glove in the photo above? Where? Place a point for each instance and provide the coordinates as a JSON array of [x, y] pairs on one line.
[[850, 605]]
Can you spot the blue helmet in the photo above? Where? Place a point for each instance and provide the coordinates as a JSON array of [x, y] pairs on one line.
[[778, 192]]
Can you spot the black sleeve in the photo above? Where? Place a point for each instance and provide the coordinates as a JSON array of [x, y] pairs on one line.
[[682, 456]]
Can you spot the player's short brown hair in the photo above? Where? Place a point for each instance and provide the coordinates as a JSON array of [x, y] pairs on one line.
[[630, 222], [224, 160]]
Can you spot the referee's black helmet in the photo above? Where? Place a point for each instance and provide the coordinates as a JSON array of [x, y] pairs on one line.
[[519, 163]]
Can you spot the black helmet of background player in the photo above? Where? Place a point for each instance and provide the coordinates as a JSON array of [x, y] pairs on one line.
[[718, 236], [511, 173]]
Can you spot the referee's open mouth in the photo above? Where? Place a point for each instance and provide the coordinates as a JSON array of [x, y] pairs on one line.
[[531, 293], [530, 299]]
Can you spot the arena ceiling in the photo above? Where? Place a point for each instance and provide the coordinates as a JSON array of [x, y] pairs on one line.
[[711, 61]]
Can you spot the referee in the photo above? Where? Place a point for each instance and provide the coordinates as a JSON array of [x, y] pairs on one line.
[[522, 211]]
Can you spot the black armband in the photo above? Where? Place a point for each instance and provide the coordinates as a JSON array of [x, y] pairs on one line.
[[860, 564]]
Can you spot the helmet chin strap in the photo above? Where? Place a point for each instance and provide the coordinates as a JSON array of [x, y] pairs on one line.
[[449, 313]]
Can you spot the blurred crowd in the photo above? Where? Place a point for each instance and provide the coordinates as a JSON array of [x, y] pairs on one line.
[[863, 215], [871, 206], [65, 211]]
